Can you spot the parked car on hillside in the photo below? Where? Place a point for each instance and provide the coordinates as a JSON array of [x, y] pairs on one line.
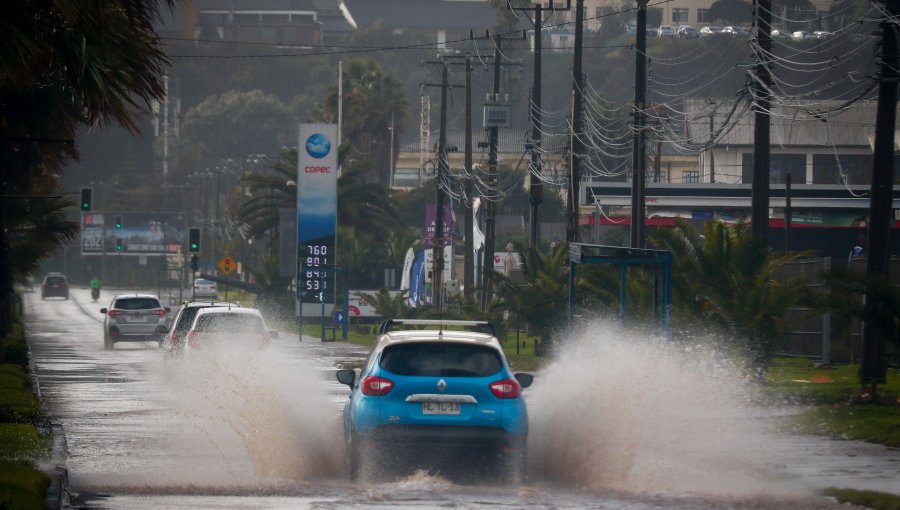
[[55, 285], [800, 35], [710, 31], [665, 31], [134, 318], [687, 32], [424, 395]]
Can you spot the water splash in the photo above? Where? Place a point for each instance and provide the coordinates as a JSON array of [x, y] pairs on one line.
[[623, 410], [257, 415]]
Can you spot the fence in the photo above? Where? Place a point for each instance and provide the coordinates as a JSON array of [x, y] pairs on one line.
[[819, 335]]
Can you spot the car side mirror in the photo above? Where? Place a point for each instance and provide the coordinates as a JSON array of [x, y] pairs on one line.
[[346, 376], [273, 334], [167, 309], [103, 311], [524, 379]]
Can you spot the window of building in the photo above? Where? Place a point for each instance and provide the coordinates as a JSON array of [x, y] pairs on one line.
[[690, 176], [779, 166], [702, 16], [679, 16], [842, 169]]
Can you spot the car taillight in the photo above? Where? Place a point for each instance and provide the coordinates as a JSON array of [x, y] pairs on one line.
[[507, 388], [192, 340], [376, 386], [159, 311], [114, 313]]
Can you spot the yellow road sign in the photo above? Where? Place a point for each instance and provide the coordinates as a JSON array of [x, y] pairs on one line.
[[227, 265]]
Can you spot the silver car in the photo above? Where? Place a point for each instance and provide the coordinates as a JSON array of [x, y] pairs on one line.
[[134, 318], [204, 288]]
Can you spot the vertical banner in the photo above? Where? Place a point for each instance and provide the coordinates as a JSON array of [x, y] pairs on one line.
[[316, 213]]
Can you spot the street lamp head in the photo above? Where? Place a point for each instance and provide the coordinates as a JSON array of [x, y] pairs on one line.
[[290, 184]]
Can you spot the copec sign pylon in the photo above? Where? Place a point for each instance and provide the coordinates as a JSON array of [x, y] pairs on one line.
[[316, 216]]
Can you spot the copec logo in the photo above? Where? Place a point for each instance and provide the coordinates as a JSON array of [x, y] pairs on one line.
[[318, 146], [317, 169]]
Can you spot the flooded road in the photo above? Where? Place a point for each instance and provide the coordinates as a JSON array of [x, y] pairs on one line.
[[613, 426]]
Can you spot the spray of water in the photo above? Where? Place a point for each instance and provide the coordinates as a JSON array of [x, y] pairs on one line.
[[251, 416], [622, 410]]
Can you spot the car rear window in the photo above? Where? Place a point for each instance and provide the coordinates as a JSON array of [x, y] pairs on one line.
[[229, 323], [137, 304], [202, 282], [186, 318], [441, 359], [56, 280]]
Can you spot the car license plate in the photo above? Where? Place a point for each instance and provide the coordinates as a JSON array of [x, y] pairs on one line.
[[440, 407], [136, 318]]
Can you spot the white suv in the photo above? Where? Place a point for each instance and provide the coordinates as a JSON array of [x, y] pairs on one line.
[[223, 325], [173, 341], [134, 318]]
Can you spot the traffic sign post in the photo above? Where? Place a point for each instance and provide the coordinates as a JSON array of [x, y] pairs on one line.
[[227, 266]]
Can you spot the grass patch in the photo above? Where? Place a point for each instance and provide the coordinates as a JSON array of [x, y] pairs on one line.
[[21, 441], [833, 394], [867, 422], [17, 402], [868, 499], [797, 380], [22, 486]]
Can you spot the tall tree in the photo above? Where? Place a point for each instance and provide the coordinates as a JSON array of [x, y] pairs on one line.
[[373, 104], [64, 64]]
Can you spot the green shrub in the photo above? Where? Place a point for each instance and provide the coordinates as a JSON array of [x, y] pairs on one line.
[[13, 348]]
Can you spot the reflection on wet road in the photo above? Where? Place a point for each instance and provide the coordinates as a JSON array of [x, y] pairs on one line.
[[261, 429]]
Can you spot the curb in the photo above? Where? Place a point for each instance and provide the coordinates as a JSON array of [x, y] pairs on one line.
[[58, 492]]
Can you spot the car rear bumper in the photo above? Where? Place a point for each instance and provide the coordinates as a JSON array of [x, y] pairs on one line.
[[489, 438]]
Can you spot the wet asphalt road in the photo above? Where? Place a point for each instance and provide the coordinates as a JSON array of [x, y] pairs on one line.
[[261, 429]]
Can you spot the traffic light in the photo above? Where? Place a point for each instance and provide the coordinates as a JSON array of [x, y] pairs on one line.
[[195, 263], [194, 240], [87, 198], [118, 222], [119, 245]]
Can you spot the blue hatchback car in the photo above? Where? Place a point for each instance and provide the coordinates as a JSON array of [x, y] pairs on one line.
[[437, 399]]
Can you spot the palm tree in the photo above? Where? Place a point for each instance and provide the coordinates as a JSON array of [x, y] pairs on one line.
[[373, 104], [542, 299], [365, 206], [727, 278], [64, 65]]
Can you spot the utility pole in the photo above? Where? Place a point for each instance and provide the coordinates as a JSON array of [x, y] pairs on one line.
[[577, 145], [469, 220], [443, 169], [496, 113], [469, 242], [759, 202], [873, 369], [536, 187], [639, 150], [490, 217]]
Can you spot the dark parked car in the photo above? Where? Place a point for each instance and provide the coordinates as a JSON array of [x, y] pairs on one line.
[[55, 285]]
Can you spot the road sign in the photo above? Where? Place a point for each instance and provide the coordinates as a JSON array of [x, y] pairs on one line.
[[227, 265]]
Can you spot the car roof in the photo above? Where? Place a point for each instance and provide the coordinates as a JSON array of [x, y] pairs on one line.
[[209, 304], [229, 309], [425, 335], [123, 296]]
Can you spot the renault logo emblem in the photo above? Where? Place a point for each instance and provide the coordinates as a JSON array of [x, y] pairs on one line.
[[442, 385]]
